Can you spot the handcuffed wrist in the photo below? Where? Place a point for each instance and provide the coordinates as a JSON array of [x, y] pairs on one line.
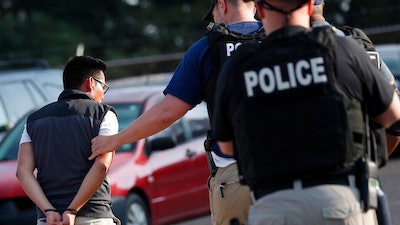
[[72, 211], [49, 210]]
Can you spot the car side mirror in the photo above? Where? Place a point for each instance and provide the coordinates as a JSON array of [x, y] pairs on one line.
[[3, 128], [160, 143]]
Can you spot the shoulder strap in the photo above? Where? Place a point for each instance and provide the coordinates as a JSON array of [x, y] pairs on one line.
[[359, 36], [223, 30]]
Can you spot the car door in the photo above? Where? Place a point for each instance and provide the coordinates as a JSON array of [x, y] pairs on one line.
[[177, 188], [197, 124]]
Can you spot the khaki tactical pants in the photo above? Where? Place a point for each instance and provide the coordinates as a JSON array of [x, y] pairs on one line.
[[229, 199]]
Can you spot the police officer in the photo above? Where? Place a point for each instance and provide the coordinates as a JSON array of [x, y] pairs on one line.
[[192, 82], [384, 142], [392, 134], [293, 111]]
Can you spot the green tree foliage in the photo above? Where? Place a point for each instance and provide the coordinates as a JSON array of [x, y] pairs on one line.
[[117, 29], [109, 29]]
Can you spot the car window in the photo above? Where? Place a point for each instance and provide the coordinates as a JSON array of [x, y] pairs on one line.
[[197, 119], [393, 63], [390, 54], [199, 127], [3, 119], [24, 90], [127, 113], [20, 92], [175, 131], [10, 144], [52, 90]]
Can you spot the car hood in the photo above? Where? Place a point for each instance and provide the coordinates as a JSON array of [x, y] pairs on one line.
[[126, 170], [9, 184]]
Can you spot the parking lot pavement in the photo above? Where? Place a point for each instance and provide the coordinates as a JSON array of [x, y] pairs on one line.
[[390, 183], [202, 220]]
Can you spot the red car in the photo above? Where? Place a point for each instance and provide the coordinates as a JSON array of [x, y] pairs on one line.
[[157, 180]]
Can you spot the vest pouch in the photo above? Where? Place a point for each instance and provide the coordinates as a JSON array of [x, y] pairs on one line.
[[367, 183]]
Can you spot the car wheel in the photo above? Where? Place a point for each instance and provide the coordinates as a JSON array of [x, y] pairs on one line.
[[137, 212]]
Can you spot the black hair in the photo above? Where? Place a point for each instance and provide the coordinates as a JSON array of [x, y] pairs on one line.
[[79, 68]]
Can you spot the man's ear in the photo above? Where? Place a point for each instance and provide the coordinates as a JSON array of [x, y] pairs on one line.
[[260, 12], [88, 84], [223, 4]]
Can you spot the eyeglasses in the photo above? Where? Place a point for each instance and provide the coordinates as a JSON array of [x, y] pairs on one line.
[[104, 85]]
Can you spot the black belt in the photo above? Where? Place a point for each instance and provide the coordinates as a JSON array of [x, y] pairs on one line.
[[341, 180]]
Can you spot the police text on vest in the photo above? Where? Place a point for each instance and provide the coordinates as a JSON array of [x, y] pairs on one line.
[[231, 47], [299, 73]]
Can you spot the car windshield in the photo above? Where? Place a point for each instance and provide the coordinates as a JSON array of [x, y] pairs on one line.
[[36, 87], [10, 144], [126, 114]]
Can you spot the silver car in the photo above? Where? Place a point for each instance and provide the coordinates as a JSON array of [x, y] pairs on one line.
[[22, 90]]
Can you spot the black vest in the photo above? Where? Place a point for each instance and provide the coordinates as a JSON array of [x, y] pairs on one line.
[[299, 122], [379, 151], [61, 151], [223, 43]]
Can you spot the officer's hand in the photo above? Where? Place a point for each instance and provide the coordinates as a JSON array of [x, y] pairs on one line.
[[102, 144]]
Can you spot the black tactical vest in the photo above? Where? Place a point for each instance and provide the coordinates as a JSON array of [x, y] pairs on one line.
[[306, 125], [223, 42], [378, 136]]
